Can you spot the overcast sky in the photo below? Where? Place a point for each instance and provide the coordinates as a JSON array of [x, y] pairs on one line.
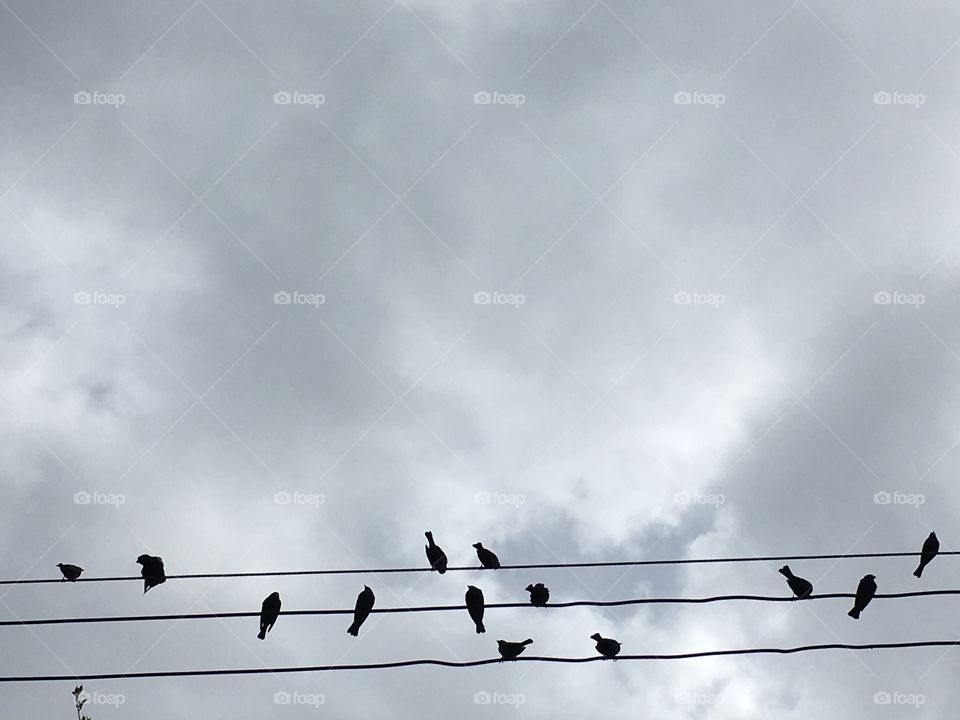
[[580, 280]]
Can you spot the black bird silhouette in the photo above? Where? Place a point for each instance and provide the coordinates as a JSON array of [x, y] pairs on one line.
[[474, 598], [362, 609], [865, 592], [152, 571], [487, 558], [436, 556], [70, 572], [801, 588], [608, 647], [539, 594], [269, 612], [931, 546], [510, 650]]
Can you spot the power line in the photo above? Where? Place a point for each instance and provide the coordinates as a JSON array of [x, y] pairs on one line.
[[474, 663], [532, 566], [489, 606]]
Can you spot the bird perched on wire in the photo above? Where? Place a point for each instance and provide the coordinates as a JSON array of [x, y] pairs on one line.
[[931, 546], [70, 572], [269, 612], [510, 650], [152, 571], [487, 558], [801, 588], [865, 592], [474, 599], [608, 647], [362, 609], [436, 556], [539, 594]]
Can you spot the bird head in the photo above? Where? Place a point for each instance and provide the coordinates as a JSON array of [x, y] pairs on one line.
[[933, 535], [60, 565], [366, 588], [429, 535], [529, 588], [870, 577], [478, 546], [143, 559], [597, 637], [471, 587]]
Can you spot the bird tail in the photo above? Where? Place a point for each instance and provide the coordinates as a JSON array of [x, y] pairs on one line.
[[480, 628], [528, 641], [919, 571], [855, 614], [442, 570], [263, 633], [353, 630]]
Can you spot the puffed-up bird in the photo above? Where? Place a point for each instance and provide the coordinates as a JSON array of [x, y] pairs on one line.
[[70, 572], [487, 558], [152, 571], [269, 612], [539, 594], [362, 609], [510, 650], [801, 588], [436, 556], [474, 599], [931, 546], [865, 592], [608, 647]]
